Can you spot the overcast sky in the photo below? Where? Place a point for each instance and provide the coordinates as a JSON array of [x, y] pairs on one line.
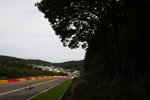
[[25, 33]]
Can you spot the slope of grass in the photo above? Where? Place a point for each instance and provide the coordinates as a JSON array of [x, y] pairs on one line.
[[109, 89], [54, 93]]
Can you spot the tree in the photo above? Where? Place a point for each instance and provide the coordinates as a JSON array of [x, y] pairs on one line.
[[110, 30], [75, 21], [82, 23]]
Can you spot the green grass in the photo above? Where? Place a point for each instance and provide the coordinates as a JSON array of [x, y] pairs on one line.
[[54, 93]]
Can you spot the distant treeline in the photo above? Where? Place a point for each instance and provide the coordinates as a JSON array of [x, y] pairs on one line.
[[13, 67], [74, 65]]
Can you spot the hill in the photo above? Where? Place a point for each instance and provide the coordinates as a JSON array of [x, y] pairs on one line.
[[12, 67], [25, 61], [74, 65]]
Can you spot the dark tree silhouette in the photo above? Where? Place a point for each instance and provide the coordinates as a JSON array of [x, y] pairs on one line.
[[76, 21], [89, 24], [115, 33]]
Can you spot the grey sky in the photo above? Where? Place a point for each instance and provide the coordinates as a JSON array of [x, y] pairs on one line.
[[25, 33]]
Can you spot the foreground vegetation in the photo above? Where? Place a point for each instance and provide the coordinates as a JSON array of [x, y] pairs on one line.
[[109, 89], [55, 93]]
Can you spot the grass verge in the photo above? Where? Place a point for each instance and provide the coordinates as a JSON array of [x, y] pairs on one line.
[[54, 93], [76, 83]]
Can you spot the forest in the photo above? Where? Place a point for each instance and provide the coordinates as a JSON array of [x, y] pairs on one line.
[[11, 67], [116, 37], [114, 33]]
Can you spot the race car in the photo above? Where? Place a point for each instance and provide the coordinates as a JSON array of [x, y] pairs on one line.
[[29, 87]]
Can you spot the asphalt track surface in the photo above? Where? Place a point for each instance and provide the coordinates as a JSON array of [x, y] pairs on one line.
[[16, 91]]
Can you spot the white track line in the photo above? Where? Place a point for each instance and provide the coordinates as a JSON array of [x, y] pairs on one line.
[[25, 87], [45, 90], [11, 91], [66, 89]]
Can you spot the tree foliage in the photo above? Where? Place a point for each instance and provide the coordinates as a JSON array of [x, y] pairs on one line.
[[77, 21], [115, 32]]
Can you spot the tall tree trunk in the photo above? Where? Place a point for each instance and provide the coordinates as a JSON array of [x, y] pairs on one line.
[[117, 42]]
